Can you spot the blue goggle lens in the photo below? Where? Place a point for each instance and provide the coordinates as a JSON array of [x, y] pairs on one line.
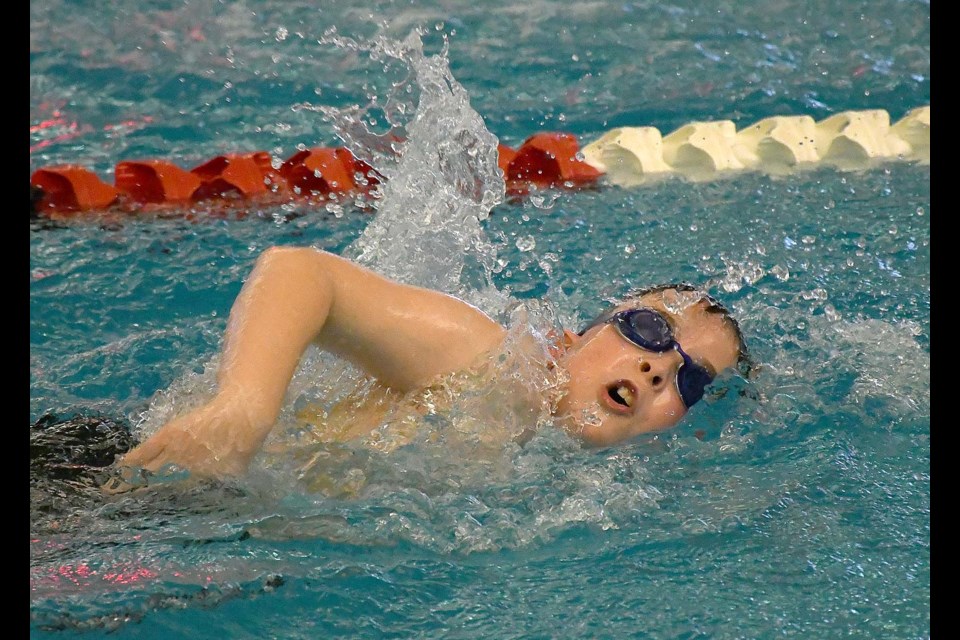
[[648, 329]]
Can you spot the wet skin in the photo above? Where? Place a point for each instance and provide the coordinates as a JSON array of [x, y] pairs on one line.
[[296, 297], [618, 390]]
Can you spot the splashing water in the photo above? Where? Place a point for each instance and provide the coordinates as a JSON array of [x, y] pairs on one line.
[[442, 178]]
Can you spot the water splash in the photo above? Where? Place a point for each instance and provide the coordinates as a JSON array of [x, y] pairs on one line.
[[892, 366], [442, 178]]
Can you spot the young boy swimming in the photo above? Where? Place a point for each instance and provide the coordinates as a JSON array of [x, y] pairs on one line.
[[637, 368]]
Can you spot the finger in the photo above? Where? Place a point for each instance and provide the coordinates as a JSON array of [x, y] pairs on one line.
[[116, 485], [127, 476], [141, 455]]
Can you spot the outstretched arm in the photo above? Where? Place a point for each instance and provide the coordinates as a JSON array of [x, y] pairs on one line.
[[402, 335]]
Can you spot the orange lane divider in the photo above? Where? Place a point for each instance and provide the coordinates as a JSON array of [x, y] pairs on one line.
[[543, 160], [320, 172], [155, 181], [70, 188], [149, 185], [546, 160], [237, 175]]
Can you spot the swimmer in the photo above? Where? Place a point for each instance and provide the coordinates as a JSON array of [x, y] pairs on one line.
[[636, 369]]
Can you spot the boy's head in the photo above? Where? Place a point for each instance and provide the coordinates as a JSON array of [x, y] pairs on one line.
[[641, 365]]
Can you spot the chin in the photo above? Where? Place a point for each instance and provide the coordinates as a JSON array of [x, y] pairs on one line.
[[595, 436], [586, 422]]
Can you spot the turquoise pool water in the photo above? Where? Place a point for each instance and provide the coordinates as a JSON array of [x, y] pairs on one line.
[[802, 512]]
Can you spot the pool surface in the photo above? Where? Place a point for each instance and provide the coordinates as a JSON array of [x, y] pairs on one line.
[[793, 505]]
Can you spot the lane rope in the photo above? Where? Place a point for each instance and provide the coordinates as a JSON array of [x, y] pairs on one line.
[[625, 157]]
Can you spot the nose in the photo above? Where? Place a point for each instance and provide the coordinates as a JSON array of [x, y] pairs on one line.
[[657, 369]]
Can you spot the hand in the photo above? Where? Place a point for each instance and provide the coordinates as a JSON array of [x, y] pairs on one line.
[[216, 440]]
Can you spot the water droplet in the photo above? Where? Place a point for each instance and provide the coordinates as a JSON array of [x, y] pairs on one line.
[[526, 243], [544, 200], [816, 294]]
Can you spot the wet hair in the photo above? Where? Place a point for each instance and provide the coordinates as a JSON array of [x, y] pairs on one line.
[[744, 362], [76, 448]]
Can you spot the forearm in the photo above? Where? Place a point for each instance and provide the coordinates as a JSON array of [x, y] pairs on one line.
[[280, 310], [402, 335]]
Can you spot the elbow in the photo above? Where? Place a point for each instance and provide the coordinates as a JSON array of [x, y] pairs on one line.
[[300, 276], [279, 252], [297, 258]]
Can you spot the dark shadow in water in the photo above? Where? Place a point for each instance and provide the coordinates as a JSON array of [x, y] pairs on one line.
[[70, 459]]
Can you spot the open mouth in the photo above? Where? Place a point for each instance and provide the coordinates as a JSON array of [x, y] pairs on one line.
[[620, 396]]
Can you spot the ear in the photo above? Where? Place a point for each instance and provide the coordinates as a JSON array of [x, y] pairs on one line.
[[560, 345]]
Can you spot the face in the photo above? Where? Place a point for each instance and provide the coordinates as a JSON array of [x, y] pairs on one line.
[[617, 390]]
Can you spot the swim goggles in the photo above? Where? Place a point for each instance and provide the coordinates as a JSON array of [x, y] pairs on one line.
[[648, 329]]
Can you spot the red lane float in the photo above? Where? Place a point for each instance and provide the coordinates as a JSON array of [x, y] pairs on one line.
[[547, 160], [140, 185], [155, 181], [236, 175], [543, 160], [320, 172], [69, 188], [505, 156]]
